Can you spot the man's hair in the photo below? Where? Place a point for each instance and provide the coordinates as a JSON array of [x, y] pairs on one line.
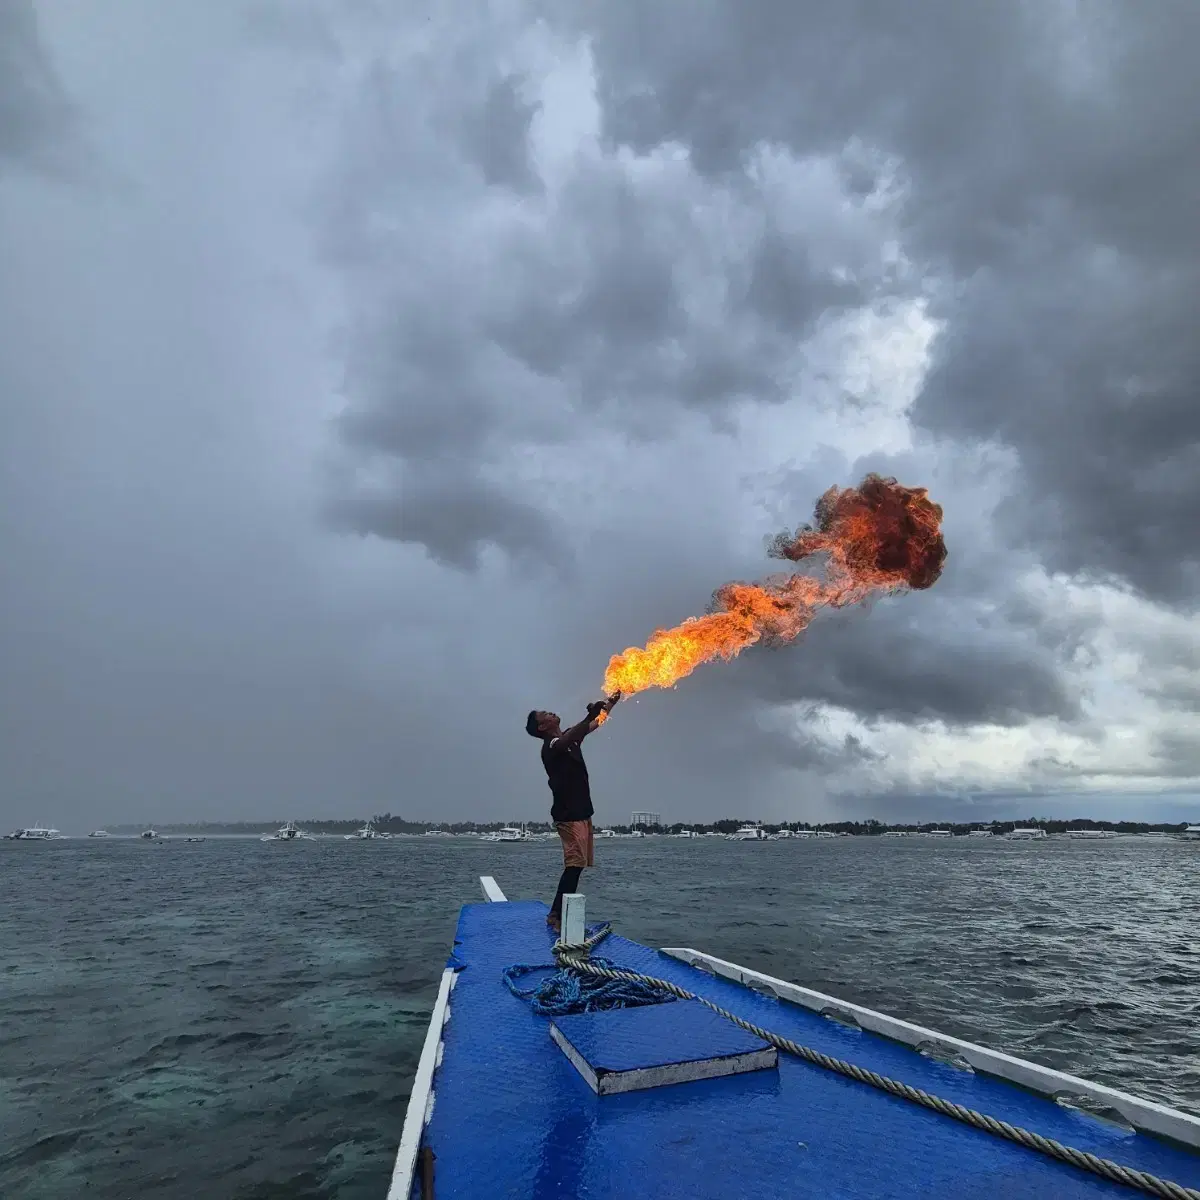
[[531, 724]]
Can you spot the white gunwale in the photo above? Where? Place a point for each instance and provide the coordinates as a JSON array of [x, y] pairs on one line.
[[1144, 1115], [420, 1100]]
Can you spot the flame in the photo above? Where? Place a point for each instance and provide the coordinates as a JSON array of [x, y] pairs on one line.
[[877, 538], [601, 717]]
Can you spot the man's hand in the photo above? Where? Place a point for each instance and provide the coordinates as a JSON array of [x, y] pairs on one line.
[[595, 711]]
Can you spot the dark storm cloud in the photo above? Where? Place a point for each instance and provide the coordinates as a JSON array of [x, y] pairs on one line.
[[914, 664], [496, 136], [35, 113], [454, 519], [1050, 165], [624, 299], [561, 389], [789, 290]]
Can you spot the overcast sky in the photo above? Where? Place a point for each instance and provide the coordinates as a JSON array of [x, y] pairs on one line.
[[370, 373]]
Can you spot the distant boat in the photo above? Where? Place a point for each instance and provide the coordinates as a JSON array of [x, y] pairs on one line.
[[35, 833], [367, 833], [287, 833], [939, 833], [1091, 835], [437, 833], [148, 834], [687, 833], [99, 833], [980, 833], [196, 839], [1190, 834], [1026, 835], [605, 833], [510, 833], [748, 833]]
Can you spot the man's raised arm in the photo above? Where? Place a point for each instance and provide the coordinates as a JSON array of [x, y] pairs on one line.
[[576, 734]]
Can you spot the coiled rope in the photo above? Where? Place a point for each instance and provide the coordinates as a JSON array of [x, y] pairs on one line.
[[575, 960]]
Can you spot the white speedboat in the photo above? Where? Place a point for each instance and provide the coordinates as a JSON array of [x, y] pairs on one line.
[[287, 833], [1190, 834], [605, 833], [825, 833], [979, 833], [1091, 835], [368, 833], [687, 833], [98, 833], [939, 833], [148, 834], [510, 833], [1026, 835], [437, 833], [35, 833]]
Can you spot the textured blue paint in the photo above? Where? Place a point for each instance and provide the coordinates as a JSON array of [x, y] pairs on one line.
[[513, 1118], [632, 1038]]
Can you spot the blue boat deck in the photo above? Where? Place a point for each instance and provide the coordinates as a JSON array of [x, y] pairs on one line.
[[512, 1117]]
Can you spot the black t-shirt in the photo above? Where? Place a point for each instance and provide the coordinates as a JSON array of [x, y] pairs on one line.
[[567, 774]]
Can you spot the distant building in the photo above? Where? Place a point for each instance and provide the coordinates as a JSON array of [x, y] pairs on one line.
[[646, 818]]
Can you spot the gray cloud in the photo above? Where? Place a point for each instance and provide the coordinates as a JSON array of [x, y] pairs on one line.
[[35, 114], [625, 297], [496, 136], [454, 519], [914, 662], [414, 376], [1050, 168]]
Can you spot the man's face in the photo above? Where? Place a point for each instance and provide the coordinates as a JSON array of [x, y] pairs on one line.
[[548, 723]]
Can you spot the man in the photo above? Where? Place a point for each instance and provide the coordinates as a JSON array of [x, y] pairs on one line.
[[567, 775]]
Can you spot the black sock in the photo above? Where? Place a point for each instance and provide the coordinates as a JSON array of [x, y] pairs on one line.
[[568, 883]]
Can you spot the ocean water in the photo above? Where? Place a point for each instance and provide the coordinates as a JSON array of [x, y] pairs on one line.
[[238, 1019]]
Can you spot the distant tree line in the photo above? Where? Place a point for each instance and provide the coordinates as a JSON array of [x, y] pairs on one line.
[[386, 823]]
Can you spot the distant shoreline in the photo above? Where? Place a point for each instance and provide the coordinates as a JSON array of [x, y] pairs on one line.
[[398, 825]]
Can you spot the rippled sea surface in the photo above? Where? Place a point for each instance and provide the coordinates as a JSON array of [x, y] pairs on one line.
[[239, 1019]]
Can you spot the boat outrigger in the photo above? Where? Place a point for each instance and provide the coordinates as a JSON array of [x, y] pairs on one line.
[[721, 1081]]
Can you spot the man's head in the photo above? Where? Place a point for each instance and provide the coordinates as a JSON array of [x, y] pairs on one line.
[[542, 724]]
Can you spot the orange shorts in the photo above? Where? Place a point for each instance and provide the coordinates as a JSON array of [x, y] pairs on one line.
[[577, 843]]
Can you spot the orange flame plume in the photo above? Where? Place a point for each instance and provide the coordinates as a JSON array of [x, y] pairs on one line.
[[877, 538]]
